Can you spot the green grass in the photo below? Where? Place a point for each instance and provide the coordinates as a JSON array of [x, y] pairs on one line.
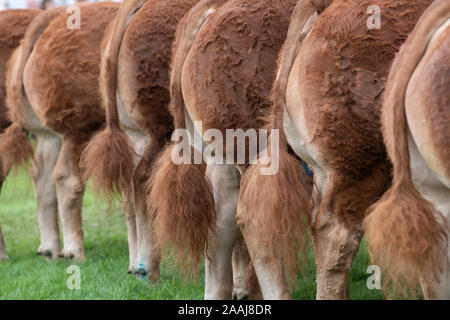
[[103, 275]]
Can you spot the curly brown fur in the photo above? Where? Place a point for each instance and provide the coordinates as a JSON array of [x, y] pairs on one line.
[[148, 42], [72, 102], [182, 203], [13, 24], [15, 99], [15, 147], [407, 235], [185, 35], [14, 143]]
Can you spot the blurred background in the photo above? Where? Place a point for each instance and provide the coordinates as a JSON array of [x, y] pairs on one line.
[[40, 4]]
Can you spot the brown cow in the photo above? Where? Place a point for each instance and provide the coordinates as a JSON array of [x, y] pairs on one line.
[[222, 71], [134, 83], [408, 227], [52, 91], [13, 24], [327, 102]]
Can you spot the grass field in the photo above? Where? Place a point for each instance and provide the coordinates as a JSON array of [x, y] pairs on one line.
[[103, 275]]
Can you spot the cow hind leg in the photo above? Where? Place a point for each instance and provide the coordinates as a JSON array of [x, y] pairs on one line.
[[225, 181], [336, 244], [48, 147], [70, 190], [245, 282], [268, 268], [130, 212], [337, 228], [148, 251], [134, 207]]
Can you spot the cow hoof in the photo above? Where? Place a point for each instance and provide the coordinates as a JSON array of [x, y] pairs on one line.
[[237, 296], [48, 253], [66, 255], [4, 257], [132, 270], [69, 254]]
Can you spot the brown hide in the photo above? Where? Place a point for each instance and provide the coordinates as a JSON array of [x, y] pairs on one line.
[[66, 62], [13, 24], [233, 62], [149, 37]]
